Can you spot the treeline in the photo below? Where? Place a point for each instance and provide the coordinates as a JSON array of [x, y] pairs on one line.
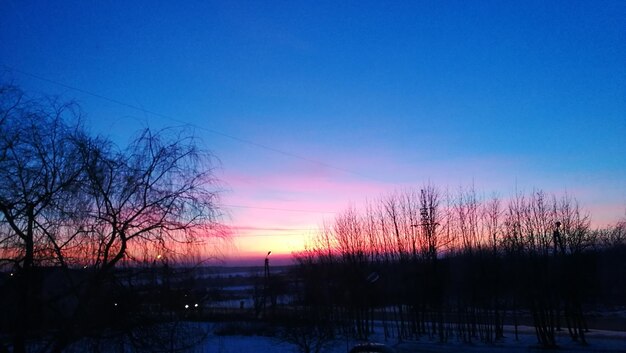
[[429, 263]]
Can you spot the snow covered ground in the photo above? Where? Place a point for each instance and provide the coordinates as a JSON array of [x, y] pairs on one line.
[[599, 341]]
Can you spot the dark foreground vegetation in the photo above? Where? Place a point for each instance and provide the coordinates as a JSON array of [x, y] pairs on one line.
[[454, 267], [75, 210]]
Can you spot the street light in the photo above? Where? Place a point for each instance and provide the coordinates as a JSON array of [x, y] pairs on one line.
[[266, 279]]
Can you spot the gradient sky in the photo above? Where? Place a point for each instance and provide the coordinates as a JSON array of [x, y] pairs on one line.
[[505, 95]]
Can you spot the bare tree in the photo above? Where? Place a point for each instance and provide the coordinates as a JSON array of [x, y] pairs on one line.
[[430, 219], [159, 191], [74, 207], [575, 225], [40, 172], [492, 222]]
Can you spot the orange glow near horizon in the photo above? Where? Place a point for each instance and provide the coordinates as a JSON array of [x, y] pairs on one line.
[[253, 243], [283, 211]]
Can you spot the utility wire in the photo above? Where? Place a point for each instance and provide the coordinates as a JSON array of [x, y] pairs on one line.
[[267, 235], [179, 121], [279, 209], [271, 229]]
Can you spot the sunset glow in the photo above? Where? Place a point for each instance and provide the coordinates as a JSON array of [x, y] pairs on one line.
[[312, 108]]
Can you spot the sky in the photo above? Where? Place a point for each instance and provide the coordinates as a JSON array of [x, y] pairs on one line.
[[312, 107]]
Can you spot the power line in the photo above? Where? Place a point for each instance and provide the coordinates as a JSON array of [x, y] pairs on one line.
[[271, 229], [246, 232], [179, 121], [267, 235], [280, 209]]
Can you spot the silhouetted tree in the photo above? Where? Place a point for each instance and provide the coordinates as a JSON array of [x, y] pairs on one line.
[[73, 208], [424, 263]]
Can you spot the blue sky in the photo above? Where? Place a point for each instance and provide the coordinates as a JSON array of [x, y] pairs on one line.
[[501, 94]]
